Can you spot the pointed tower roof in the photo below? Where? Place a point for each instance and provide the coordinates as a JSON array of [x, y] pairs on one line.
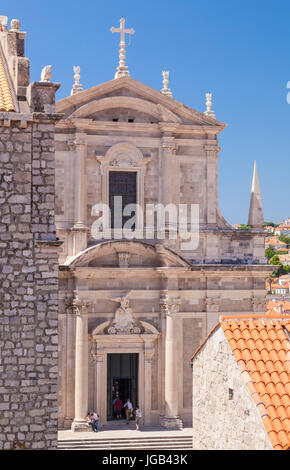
[[256, 216]]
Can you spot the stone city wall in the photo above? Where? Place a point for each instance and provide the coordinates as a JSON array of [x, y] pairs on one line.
[[28, 285]]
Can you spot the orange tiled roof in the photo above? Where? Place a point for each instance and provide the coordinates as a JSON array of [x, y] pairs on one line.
[[274, 241], [6, 100], [260, 345], [284, 285], [273, 306]]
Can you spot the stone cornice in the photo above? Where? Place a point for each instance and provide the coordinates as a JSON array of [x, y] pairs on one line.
[[25, 118], [48, 243], [146, 294], [90, 124], [257, 270]]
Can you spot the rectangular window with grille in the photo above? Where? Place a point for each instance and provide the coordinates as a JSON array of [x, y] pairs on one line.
[[124, 184]]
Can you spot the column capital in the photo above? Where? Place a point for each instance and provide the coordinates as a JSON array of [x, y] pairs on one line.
[[211, 150], [77, 141], [168, 143], [212, 304], [149, 354], [80, 307], [169, 306]]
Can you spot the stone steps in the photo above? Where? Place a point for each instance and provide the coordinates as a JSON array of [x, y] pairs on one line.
[[128, 443]]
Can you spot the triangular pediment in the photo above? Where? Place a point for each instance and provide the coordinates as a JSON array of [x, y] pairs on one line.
[[126, 93]]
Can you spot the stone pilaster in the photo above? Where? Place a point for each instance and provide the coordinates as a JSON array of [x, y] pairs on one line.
[[79, 230], [148, 356], [80, 149], [169, 193], [211, 152]]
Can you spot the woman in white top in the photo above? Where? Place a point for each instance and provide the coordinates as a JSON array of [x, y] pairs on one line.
[[138, 414], [129, 408]]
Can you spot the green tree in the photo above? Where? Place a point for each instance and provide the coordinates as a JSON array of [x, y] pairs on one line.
[[245, 227], [284, 239], [283, 268], [275, 260], [269, 253], [269, 224]]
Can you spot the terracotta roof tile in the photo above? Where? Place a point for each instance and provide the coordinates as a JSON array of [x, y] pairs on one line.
[[6, 100], [260, 346]]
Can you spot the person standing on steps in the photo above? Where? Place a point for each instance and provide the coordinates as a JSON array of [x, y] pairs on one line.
[[138, 415], [118, 405], [96, 419], [128, 409]]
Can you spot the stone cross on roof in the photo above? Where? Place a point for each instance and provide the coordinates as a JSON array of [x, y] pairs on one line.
[[122, 69]]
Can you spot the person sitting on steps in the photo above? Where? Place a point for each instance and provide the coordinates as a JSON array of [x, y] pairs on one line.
[[96, 419], [89, 421]]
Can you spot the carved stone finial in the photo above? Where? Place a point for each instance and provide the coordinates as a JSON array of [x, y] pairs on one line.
[[76, 86], [165, 90], [15, 25], [3, 22], [46, 74], [209, 112]]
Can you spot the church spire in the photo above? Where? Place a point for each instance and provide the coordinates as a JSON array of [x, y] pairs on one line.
[[256, 217]]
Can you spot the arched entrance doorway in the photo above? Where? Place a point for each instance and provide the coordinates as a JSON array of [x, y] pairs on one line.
[[122, 365]]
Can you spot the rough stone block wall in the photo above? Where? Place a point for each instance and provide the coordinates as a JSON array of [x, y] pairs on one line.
[[224, 415], [28, 286]]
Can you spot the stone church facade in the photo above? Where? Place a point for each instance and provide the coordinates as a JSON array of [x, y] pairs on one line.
[[168, 296], [130, 310]]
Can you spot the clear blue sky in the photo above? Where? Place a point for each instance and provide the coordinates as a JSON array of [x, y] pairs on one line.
[[237, 50]]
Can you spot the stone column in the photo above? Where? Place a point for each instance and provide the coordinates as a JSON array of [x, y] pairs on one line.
[[170, 419], [70, 378], [81, 366]]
